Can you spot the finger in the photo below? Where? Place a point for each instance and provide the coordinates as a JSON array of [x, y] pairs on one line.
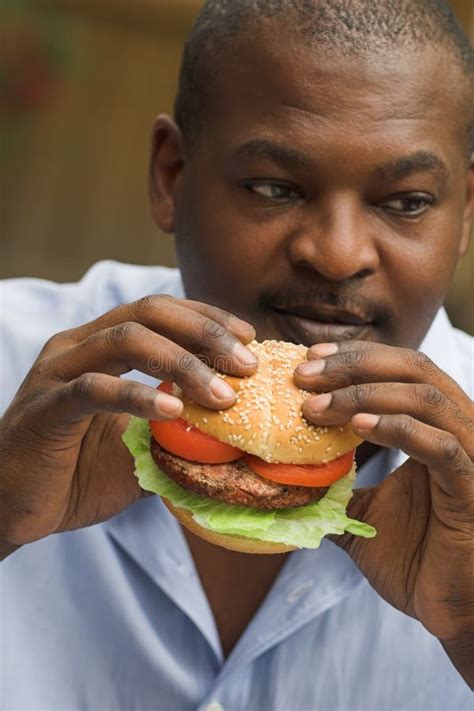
[[354, 362], [240, 328], [130, 346], [188, 325], [91, 393], [203, 330], [439, 451], [424, 402], [322, 350]]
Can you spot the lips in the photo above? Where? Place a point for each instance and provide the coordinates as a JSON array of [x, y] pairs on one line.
[[309, 325], [326, 315]]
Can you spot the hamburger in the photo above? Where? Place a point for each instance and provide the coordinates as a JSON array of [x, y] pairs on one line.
[[256, 477]]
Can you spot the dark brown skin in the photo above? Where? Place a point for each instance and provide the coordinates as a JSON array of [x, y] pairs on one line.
[[353, 209], [422, 559], [235, 584]]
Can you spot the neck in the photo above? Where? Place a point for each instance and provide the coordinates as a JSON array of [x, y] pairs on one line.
[[365, 452], [235, 584]]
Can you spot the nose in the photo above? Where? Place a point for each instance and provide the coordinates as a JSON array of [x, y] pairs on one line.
[[336, 239]]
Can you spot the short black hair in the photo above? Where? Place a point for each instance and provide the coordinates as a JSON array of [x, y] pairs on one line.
[[354, 27]]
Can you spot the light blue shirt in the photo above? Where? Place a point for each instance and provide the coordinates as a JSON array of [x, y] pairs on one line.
[[114, 618]]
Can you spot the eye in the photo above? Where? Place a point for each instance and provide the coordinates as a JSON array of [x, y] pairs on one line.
[[277, 192], [409, 205]]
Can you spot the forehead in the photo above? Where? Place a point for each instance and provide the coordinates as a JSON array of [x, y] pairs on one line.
[[274, 85]]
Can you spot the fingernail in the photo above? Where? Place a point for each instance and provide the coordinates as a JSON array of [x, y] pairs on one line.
[[168, 404], [324, 349], [365, 421], [318, 403], [311, 367], [220, 389], [243, 354]]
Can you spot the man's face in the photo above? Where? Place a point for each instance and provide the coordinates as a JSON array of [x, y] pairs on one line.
[[325, 198]]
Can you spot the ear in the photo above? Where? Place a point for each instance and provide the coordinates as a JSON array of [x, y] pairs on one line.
[[166, 164], [468, 210]]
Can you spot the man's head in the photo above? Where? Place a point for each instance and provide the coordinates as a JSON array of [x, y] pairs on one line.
[[319, 166]]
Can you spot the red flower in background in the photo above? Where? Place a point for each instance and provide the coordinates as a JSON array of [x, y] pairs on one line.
[[32, 59]]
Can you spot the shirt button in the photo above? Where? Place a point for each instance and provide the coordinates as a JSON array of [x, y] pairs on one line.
[[214, 706], [302, 589]]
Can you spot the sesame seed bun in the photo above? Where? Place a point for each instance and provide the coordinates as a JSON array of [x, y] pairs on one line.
[[233, 543], [266, 418]]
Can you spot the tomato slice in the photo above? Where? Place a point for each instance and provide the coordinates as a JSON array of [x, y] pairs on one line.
[[166, 386], [302, 474], [186, 441]]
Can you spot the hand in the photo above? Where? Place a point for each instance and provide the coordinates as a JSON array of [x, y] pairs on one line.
[[422, 559], [63, 463]]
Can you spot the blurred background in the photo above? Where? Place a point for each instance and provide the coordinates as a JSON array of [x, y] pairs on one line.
[[80, 84]]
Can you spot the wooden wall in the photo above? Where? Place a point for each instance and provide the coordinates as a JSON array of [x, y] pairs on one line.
[[74, 184]]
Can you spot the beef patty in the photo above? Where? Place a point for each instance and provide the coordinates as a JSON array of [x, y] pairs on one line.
[[233, 482]]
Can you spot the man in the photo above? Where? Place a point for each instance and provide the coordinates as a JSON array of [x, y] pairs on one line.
[[319, 182]]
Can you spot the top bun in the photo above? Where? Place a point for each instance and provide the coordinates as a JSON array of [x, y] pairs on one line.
[[266, 418]]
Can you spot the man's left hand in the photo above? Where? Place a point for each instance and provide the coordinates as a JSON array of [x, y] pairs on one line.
[[422, 559]]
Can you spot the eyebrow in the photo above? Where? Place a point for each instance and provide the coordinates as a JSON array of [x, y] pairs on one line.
[[419, 162], [263, 148]]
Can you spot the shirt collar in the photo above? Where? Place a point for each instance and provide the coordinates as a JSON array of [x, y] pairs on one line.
[[151, 536], [440, 346]]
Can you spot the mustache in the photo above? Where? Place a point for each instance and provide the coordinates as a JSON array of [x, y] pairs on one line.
[[315, 296]]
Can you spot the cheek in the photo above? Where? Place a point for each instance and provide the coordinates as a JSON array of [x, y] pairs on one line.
[[224, 256], [422, 259], [439, 255], [417, 274]]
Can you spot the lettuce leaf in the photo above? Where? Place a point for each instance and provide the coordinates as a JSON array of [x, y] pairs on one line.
[[303, 527]]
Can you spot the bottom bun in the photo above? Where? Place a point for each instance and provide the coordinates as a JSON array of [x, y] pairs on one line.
[[241, 544]]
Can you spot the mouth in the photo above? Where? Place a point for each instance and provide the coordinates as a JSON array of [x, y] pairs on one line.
[[309, 325]]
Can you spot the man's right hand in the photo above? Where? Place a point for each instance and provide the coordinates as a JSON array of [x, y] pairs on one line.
[[63, 464]]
